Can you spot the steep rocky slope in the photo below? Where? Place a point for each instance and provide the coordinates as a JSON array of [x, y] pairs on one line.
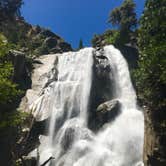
[[26, 42], [33, 40]]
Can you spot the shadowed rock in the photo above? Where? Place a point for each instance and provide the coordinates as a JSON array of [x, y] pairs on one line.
[[101, 90], [108, 111]]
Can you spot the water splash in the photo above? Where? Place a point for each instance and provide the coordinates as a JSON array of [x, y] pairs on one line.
[[70, 142]]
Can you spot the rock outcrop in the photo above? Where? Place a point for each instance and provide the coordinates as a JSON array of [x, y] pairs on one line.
[[154, 139], [22, 69], [129, 50], [102, 75], [43, 74], [50, 43], [34, 40], [108, 111]]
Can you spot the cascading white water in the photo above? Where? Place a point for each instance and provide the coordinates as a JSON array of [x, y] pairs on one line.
[[70, 142]]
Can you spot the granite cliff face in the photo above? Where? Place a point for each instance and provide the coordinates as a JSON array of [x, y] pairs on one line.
[[154, 138], [33, 40]]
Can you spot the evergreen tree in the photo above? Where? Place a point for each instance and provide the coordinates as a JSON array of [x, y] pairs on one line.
[[124, 16], [10, 9], [80, 44]]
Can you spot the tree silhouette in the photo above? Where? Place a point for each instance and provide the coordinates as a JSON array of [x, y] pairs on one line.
[[10, 9], [80, 44]]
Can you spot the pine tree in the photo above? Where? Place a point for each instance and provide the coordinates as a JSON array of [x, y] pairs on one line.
[[124, 16], [10, 9], [80, 44]]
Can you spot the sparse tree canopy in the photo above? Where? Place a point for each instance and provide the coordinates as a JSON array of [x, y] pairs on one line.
[[124, 16], [9, 8]]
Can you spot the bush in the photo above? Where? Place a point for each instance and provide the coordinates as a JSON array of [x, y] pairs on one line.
[[8, 90], [12, 119], [114, 38]]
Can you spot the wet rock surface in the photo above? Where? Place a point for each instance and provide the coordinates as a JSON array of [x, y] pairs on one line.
[[103, 108], [102, 83], [108, 111]]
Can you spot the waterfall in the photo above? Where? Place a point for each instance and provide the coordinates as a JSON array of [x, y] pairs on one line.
[[70, 142]]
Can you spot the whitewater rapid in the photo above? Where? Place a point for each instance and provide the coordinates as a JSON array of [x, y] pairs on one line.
[[70, 142]]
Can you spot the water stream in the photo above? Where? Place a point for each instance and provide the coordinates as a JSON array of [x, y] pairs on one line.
[[70, 142]]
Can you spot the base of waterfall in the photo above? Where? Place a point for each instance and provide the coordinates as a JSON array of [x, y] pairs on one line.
[[91, 105]]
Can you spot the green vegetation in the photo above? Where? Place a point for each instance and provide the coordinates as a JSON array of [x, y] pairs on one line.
[[150, 37], [151, 75], [80, 44], [10, 9], [123, 18], [20, 43], [11, 120], [108, 37], [8, 90]]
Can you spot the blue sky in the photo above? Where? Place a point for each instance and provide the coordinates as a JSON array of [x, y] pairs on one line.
[[73, 19]]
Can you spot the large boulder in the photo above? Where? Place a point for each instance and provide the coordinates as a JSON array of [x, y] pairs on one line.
[[109, 106], [108, 111]]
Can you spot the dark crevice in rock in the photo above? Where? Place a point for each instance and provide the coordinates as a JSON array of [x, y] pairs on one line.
[[101, 89]]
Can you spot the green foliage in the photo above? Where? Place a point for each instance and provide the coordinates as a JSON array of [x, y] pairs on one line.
[[8, 90], [9, 9], [114, 38], [124, 16], [80, 44], [12, 119], [151, 74], [108, 37], [25, 37], [16, 32]]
